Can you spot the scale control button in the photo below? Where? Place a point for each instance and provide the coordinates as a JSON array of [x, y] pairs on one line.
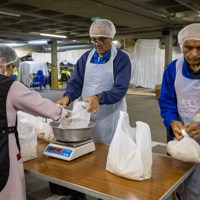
[[67, 153]]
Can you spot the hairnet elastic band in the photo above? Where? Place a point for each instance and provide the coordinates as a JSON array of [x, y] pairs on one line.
[[12, 61], [99, 36], [190, 39]]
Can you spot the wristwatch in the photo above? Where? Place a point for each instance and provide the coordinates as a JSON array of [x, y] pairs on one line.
[[100, 99]]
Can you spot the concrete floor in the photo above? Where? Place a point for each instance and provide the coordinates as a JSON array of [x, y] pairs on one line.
[[140, 108]]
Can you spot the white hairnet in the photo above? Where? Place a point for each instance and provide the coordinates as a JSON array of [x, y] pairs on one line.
[[102, 28], [8, 54], [190, 32]]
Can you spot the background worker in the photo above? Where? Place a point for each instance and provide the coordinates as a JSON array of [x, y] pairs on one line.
[[179, 98]]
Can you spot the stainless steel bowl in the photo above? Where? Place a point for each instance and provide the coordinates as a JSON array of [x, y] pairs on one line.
[[72, 135]]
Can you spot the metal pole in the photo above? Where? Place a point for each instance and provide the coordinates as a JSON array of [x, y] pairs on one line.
[[168, 47], [54, 68]]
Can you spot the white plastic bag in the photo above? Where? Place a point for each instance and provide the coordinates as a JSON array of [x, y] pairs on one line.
[[186, 149], [26, 129], [28, 149], [27, 138], [37, 122], [48, 133], [130, 153], [79, 118]]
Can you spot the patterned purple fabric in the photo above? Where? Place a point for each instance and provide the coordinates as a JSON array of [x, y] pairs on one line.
[[21, 98]]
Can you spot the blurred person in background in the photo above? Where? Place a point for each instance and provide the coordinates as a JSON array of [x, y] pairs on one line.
[[179, 99], [14, 96], [15, 72]]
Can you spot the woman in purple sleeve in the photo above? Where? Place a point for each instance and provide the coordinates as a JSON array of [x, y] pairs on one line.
[[14, 96]]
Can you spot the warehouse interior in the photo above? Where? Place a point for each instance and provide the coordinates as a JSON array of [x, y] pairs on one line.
[[146, 30], [133, 18], [141, 25], [149, 25]]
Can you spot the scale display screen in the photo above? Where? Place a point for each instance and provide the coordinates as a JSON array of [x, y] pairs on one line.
[[59, 151]]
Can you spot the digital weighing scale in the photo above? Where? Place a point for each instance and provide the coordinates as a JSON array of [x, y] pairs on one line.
[[69, 150]]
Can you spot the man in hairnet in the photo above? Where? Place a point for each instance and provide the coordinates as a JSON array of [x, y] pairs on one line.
[[179, 98], [101, 78], [14, 96]]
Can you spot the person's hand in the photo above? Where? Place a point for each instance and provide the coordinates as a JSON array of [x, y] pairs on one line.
[[177, 127], [93, 104], [64, 101], [193, 130]]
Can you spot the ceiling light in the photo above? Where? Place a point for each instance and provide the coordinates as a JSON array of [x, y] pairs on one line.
[[14, 44], [117, 43], [95, 18], [10, 14], [52, 35], [38, 42]]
